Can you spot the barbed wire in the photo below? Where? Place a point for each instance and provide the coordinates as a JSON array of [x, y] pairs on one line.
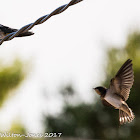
[[39, 21]]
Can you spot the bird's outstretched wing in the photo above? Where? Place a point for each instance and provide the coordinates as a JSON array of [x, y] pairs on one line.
[[123, 80]]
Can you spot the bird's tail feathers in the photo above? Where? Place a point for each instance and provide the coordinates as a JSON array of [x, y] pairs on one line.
[[124, 117]]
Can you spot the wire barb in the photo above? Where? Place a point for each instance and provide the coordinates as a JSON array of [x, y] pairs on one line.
[[39, 21]]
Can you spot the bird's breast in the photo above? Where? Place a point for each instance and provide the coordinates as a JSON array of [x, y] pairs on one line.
[[113, 99]]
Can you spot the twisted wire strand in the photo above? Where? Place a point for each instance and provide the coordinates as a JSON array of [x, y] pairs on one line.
[[39, 21]]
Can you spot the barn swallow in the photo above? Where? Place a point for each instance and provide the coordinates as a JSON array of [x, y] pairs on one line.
[[4, 30], [118, 92]]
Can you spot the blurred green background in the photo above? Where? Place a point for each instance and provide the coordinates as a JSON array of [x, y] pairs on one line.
[[81, 120]]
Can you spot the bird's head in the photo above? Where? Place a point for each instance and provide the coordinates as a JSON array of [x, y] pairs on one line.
[[100, 90]]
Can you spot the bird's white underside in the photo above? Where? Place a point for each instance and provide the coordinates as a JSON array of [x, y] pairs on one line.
[[114, 100]]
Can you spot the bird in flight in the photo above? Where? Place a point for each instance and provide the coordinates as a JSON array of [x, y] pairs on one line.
[[118, 92], [4, 30]]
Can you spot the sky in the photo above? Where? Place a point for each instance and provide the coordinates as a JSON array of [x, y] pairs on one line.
[[69, 48]]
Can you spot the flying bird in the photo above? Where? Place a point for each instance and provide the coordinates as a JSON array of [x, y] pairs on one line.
[[118, 92], [4, 30]]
